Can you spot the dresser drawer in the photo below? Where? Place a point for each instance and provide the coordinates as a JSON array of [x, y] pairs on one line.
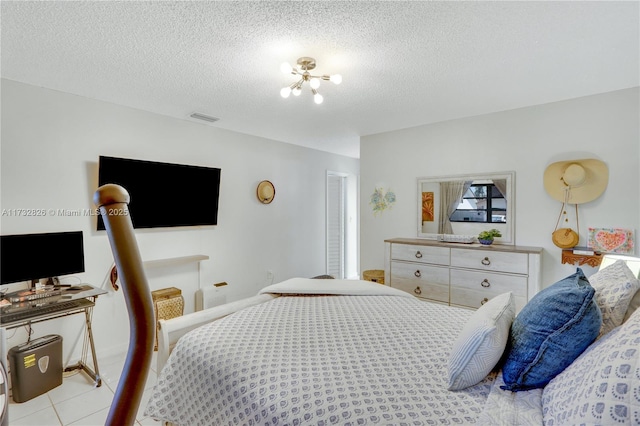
[[474, 299], [421, 254], [488, 282], [428, 282], [516, 263]]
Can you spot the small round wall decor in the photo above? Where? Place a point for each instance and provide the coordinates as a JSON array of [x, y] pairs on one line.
[[266, 192], [382, 200]]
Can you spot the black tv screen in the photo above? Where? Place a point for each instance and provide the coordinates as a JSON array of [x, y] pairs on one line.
[[25, 257], [164, 194]]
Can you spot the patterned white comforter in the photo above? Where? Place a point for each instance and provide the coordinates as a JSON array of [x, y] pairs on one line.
[[320, 359]]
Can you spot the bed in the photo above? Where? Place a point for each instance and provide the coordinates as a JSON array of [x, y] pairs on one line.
[[348, 352], [353, 353]]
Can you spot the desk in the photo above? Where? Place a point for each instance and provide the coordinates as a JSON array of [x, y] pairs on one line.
[[87, 296]]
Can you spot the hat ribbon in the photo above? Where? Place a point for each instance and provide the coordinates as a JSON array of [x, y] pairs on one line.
[[564, 203]]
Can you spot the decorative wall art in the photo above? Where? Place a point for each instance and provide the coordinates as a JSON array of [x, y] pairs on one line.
[[382, 200], [427, 207], [611, 240]]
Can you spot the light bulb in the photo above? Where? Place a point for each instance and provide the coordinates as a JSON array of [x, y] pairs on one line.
[[285, 92], [317, 98], [314, 83], [336, 79], [296, 91], [286, 68]]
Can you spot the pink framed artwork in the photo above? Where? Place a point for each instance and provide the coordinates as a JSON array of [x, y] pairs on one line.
[[611, 240]]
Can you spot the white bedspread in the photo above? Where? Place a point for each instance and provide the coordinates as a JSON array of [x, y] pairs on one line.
[[376, 358], [511, 408], [309, 286]]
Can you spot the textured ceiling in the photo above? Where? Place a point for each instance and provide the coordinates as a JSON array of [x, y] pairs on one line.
[[403, 63]]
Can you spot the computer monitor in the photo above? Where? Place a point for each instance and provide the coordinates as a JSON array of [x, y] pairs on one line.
[[31, 257]]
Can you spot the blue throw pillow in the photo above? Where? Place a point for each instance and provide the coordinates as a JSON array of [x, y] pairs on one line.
[[550, 332]]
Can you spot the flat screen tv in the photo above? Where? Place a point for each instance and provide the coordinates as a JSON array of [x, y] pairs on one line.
[[164, 194], [26, 257]]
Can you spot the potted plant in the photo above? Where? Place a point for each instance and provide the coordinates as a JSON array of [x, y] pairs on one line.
[[486, 237]]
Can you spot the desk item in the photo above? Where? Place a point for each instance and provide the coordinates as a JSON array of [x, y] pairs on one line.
[[36, 367], [30, 295], [69, 302], [12, 313], [32, 257]]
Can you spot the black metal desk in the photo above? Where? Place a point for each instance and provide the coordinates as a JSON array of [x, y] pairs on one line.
[[89, 294]]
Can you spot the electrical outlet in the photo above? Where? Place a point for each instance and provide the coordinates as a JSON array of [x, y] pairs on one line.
[[270, 277]]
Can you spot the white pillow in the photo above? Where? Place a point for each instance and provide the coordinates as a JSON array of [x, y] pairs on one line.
[[481, 342], [601, 386], [633, 306], [615, 286]]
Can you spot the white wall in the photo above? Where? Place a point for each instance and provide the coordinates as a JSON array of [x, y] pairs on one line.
[[526, 140], [50, 147]]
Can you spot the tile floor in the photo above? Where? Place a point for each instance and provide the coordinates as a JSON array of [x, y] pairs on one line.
[[78, 402]]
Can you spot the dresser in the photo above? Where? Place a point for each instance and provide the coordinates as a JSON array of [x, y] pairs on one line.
[[465, 275]]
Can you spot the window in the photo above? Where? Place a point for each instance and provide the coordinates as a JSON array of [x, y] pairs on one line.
[[481, 202]]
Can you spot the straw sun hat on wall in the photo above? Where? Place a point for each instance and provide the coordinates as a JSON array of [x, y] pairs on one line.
[[266, 192], [580, 181]]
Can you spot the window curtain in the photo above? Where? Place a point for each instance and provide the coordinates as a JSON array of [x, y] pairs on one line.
[[450, 197], [501, 185]]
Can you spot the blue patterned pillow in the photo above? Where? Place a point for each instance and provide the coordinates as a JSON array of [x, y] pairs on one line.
[[550, 332]]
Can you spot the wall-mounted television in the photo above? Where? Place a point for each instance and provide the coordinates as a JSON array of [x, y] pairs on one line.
[[26, 257], [164, 194]]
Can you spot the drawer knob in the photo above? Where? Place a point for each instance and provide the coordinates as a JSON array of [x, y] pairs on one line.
[[418, 255], [485, 283], [417, 290], [417, 273], [486, 261], [483, 301]]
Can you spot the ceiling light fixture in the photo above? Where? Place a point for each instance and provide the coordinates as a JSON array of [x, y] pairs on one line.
[[306, 64]]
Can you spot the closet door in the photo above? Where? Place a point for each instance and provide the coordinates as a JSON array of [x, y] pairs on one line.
[[336, 204]]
